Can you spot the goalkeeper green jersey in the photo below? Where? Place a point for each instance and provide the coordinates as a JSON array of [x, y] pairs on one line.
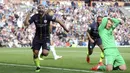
[[106, 35]]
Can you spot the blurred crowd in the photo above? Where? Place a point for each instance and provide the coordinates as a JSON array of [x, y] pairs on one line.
[[74, 14]]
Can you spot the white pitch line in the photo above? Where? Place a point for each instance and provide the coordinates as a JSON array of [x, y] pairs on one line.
[[65, 69]]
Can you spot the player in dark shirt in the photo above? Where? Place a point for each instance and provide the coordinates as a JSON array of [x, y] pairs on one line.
[[94, 39], [42, 35], [52, 46]]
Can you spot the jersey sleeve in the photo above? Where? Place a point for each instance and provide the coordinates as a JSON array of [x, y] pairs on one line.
[[90, 27], [103, 23], [52, 18], [116, 22]]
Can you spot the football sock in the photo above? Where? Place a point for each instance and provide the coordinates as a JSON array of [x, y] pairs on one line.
[[53, 51], [37, 62], [87, 54], [102, 68], [101, 57]]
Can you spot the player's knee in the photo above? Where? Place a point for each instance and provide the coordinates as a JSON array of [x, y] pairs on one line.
[[45, 54], [123, 67], [109, 67], [35, 53]]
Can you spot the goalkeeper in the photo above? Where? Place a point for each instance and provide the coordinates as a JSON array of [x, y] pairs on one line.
[[94, 39], [113, 58]]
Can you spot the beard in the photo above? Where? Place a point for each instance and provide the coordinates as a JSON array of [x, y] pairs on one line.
[[40, 12]]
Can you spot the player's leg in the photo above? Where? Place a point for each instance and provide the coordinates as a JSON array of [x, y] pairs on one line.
[[46, 47], [109, 60], [52, 48], [99, 43], [119, 64], [101, 58], [123, 67], [108, 67], [90, 50], [45, 52], [36, 46], [36, 60]]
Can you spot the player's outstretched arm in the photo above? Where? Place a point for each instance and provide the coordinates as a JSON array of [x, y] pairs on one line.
[[61, 23], [26, 22], [48, 11]]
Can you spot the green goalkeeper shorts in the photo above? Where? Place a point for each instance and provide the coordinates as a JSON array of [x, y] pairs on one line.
[[113, 57]]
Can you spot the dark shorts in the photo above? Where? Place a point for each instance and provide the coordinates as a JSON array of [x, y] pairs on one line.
[[96, 42], [44, 43]]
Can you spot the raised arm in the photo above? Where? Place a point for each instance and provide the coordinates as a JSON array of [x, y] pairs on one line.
[[62, 24], [53, 18], [116, 22], [26, 22]]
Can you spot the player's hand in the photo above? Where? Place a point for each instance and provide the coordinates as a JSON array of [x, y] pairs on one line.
[[121, 21], [48, 11], [32, 11], [24, 27], [92, 40], [69, 29]]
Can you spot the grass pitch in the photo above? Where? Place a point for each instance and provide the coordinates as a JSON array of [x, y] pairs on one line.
[[19, 60]]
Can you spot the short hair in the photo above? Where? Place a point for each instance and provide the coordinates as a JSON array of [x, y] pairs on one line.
[[40, 5], [99, 17], [110, 20]]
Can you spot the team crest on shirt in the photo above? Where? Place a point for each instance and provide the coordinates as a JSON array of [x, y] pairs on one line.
[[45, 21]]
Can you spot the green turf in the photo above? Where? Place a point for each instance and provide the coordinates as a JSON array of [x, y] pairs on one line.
[[73, 58]]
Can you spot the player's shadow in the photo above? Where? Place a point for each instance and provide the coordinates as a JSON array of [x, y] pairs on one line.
[[48, 58]]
